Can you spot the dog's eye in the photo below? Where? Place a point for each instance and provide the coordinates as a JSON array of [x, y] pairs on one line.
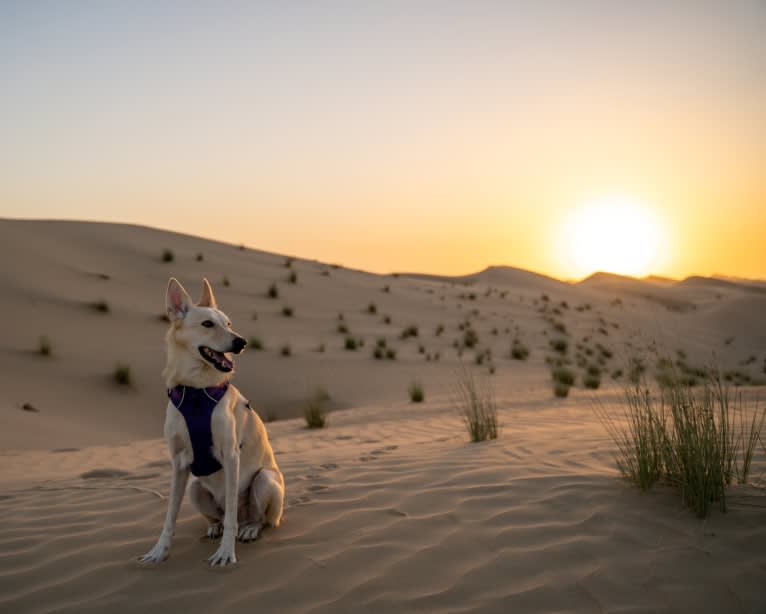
[[208, 324]]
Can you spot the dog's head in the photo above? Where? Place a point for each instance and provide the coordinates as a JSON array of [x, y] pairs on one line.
[[201, 342]]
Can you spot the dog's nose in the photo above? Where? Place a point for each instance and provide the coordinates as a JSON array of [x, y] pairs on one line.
[[238, 345]]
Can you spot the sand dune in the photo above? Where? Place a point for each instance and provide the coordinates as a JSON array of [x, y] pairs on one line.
[[390, 508]]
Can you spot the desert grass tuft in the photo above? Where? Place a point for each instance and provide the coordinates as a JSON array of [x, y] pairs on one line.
[[255, 343], [168, 255], [286, 350], [44, 346], [698, 441], [273, 291], [313, 410], [122, 375], [476, 403], [101, 306], [519, 351], [416, 392], [410, 331], [287, 311]]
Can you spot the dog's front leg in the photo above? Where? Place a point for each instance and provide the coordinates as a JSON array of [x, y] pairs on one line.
[[178, 482], [225, 554]]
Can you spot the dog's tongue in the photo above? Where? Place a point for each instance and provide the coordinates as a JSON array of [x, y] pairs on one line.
[[226, 362]]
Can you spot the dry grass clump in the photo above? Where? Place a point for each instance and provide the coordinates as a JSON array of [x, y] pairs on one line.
[[476, 402], [313, 411], [292, 278], [351, 344], [287, 311], [44, 346], [122, 375], [273, 291], [416, 392], [286, 350], [255, 343], [519, 351], [168, 255], [101, 306], [410, 331], [698, 441], [559, 345]]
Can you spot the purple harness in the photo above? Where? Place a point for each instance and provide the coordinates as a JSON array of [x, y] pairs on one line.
[[196, 406]]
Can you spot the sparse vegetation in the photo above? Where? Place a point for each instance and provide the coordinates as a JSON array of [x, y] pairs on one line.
[[101, 306], [255, 343], [350, 344], [563, 375], [286, 350], [696, 441], [287, 311], [591, 381], [560, 389], [476, 402], [292, 278], [200, 257], [273, 291], [122, 375], [410, 331], [372, 308], [342, 328], [470, 337], [168, 255], [313, 411], [44, 346], [226, 281], [519, 351], [559, 345], [416, 392], [439, 330]]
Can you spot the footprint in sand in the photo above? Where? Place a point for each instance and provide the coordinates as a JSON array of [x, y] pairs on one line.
[[329, 466], [104, 473]]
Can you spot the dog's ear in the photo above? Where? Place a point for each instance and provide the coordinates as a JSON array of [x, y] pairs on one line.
[[177, 301], [208, 298]]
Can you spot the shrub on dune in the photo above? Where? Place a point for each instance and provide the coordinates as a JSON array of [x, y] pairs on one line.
[[416, 392], [313, 411], [519, 351], [476, 402], [44, 346], [697, 441], [122, 375]]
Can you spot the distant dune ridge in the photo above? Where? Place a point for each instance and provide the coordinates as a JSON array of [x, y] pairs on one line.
[[390, 508]]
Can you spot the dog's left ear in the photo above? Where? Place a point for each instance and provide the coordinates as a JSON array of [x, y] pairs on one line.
[[208, 298]]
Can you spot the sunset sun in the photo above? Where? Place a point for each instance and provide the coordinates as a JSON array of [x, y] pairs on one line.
[[616, 235]]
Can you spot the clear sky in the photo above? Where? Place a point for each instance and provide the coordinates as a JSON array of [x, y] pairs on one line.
[[429, 136]]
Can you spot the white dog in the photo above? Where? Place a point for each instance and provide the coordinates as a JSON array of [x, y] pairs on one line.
[[212, 432]]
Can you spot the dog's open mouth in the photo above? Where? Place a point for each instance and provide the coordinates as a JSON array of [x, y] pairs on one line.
[[217, 359]]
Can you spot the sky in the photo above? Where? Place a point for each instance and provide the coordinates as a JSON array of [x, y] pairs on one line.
[[439, 137]]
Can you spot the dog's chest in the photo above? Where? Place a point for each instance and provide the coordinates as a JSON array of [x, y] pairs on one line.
[[196, 405]]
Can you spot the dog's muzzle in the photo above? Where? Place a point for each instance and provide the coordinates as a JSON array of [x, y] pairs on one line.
[[238, 345]]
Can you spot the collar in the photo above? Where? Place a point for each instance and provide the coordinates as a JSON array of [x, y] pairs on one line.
[[180, 394]]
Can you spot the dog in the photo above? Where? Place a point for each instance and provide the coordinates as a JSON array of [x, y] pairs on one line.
[[212, 432]]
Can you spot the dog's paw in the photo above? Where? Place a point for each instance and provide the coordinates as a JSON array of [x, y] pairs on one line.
[[249, 532], [156, 555], [223, 557], [214, 531]]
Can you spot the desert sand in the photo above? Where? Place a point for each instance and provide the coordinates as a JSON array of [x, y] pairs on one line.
[[390, 507]]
